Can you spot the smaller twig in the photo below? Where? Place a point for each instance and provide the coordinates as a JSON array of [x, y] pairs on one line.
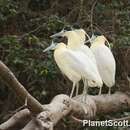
[[32, 31], [99, 28], [19, 109], [92, 9]]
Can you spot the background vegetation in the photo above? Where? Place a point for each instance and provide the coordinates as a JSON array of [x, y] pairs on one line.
[[25, 27]]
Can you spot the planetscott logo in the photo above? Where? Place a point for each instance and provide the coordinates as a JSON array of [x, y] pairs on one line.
[[123, 123]]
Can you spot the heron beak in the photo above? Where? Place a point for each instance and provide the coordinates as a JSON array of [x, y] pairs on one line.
[[51, 47], [57, 34], [89, 39], [93, 37]]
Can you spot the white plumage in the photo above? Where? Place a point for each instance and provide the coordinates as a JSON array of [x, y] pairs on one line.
[[75, 61], [85, 49], [105, 61], [104, 58], [75, 43]]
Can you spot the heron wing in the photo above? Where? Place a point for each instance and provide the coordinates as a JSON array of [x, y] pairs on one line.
[[64, 65], [81, 63], [106, 64], [87, 51]]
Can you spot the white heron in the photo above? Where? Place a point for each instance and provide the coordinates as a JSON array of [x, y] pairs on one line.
[[75, 43], [74, 62], [105, 61], [104, 58], [63, 64]]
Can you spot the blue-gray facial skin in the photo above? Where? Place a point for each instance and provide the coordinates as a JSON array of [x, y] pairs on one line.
[[61, 39], [67, 28], [97, 34], [76, 26]]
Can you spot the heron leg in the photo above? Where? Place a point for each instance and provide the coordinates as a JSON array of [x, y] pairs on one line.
[[77, 89], [109, 91], [72, 91], [100, 91], [85, 91], [83, 81]]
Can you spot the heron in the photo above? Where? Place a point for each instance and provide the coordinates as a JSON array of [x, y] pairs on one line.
[[66, 70], [104, 58], [74, 43], [70, 61], [105, 61]]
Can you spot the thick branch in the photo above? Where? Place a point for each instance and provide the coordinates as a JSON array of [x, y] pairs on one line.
[[62, 106], [22, 94], [17, 121]]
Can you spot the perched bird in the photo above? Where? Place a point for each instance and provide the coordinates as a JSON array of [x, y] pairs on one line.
[[105, 61], [75, 43], [63, 64], [74, 63], [104, 58]]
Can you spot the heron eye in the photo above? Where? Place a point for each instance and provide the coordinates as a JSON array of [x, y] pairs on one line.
[[97, 34], [61, 39], [67, 28]]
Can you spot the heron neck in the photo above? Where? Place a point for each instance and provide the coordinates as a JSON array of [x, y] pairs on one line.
[[73, 42]]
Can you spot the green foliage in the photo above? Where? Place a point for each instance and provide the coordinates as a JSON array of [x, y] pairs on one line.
[[55, 24], [8, 8], [28, 62]]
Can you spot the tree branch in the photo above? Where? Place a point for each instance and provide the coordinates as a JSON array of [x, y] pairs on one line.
[[60, 106], [17, 121], [22, 94]]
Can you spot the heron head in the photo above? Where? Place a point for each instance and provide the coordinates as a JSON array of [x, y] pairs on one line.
[[61, 39], [97, 34], [56, 42], [101, 39], [67, 28], [83, 35], [93, 37]]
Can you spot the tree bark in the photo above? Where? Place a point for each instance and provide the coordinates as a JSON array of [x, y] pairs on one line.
[[17, 121], [62, 106]]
